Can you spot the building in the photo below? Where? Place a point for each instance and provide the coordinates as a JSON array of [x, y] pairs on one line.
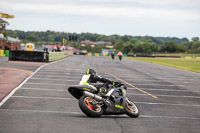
[[88, 42], [96, 43], [7, 43], [2, 30], [103, 42], [108, 51]]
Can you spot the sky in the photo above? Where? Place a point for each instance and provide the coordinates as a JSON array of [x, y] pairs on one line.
[[159, 18]]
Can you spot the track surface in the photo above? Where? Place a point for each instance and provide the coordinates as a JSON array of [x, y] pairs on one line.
[[43, 104]]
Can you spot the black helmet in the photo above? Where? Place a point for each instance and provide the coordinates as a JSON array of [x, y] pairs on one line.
[[90, 71]]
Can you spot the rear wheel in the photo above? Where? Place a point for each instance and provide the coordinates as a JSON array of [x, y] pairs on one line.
[[131, 109], [90, 107]]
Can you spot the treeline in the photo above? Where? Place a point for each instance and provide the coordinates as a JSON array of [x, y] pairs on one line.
[[150, 47], [126, 44]]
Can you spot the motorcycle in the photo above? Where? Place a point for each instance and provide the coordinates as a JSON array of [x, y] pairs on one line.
[[112, 56], [120, 57], [107, 100]]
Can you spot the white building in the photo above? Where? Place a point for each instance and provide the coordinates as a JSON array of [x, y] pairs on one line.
[[108, 51]]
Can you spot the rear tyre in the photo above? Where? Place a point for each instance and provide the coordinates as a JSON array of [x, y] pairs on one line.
[[131, 109], [90, 107]]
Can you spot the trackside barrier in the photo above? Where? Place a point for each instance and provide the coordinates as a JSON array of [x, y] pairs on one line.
[[190, 57], [1, 52], [38, 56], [125, 55], [100, 54], [96, 54], [68, 53], [7, 53], [53, 56]]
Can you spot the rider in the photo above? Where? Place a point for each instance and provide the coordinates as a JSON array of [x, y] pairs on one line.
[[92, 77]]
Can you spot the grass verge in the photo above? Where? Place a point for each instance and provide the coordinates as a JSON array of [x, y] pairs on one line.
[[185, 64]]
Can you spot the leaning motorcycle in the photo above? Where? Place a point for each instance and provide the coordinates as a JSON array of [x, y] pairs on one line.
[[107, 100]]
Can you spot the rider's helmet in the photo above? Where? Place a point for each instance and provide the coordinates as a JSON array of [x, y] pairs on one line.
[[90, 71]]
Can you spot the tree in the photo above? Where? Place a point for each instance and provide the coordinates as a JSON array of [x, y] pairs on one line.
[[153, 47], [128, 48], [195, 39], [125, 38], [181, 48], [133, 40], [119, 45], [196, 46], [170, 47], [139, 48], [32, 38]]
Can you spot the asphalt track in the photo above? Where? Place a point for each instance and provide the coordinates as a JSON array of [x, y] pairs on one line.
[[168, 99]]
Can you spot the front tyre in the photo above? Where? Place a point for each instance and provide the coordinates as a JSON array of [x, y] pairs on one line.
[[131, 109], [90, 107]]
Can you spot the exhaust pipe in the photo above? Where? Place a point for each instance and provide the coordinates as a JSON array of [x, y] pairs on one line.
[[96, 97]]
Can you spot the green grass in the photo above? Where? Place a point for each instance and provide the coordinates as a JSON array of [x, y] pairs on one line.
[[185, 64], [179, 54]]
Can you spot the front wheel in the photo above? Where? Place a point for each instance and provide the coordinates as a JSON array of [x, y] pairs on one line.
[[90, 107], [131, 109]]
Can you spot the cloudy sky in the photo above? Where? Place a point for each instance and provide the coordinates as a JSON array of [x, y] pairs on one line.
[[167, 18]]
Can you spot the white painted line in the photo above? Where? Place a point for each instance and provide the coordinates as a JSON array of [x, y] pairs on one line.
[[19, 86], [40, 89], [15, 89], [46, 84], [53, 79], [61, 74], [163, 90], [170, 117], [157, 85], [168, 104], [177, 79], [179, 96], [52, 69], [55, 98], [167, 95], [79, 113], [40, 111], [169, 79], [57, 73], [137, 94], [50, 72], [67, 77]]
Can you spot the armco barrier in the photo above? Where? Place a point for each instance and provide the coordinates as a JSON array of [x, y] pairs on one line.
[[28, 56]]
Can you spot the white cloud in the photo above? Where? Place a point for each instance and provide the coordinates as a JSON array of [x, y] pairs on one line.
[[102, 10], [137, 17]]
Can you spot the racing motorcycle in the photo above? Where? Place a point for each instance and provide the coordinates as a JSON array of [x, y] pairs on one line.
[[120, 57], [107, 100]]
